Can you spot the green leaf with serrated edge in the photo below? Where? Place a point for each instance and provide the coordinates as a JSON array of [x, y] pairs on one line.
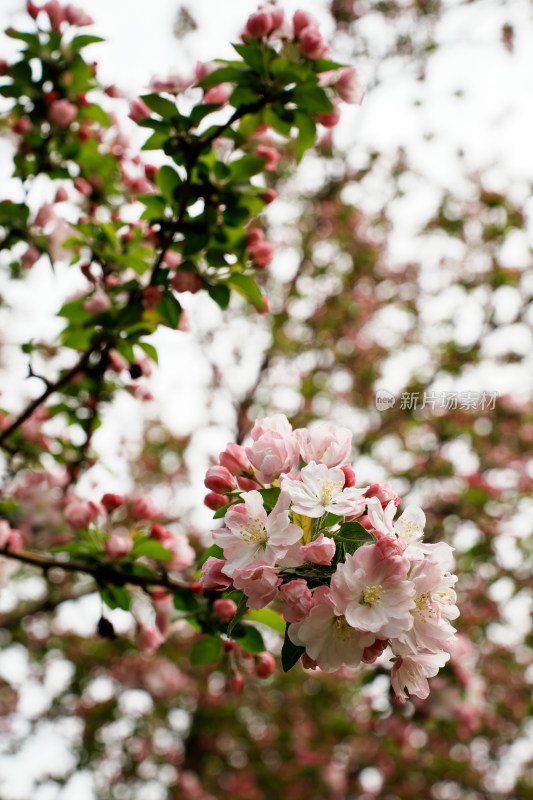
[[267, 617], [250, 639], [215, 551], [150, 351], [270, 496], [152, 549], [239, 614], [165, 108], [306, 132], [247, 287], [354, 530], [206, 650], [290, 653]]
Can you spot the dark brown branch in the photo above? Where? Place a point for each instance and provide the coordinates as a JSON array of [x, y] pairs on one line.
[[102, 573]]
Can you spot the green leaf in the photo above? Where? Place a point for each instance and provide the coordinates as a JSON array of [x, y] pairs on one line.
[[244, 168], [221, 295], [200, 112], [206, 650], [152, 549], [277, 122], [268, 617], [150, 351], [243, 96], [247, 287], [355, 531], [185, 602], [322, 65], [215, 551], [168, 181], [169, 309], [29, 38], [270, 496], [253, 56], [165, 108], [82, 41], [155, 141], [312, 98], [306, 132], [250, 639], [194, 243], [330, 520], [239, 614], [221, 512], [116, 597], [290, 653], [223, 75]]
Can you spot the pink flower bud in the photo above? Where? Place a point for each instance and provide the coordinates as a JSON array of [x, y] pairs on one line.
[[225, 609], [32, 10], [373, 651], [151, 296], [278, 15], [138, 110], [218, 94], [298, 600], [259, 24], [349, 476], [234, 459], [83, 186], [267, 305], [301, 20], [254, 236], [77, 16], [113, 91], [330, 118], [30, 257], [384, 492], [235, 684], [259, 582], [268, 196], [219, 479], [62, 112], [312, 44], [79, 515], [55, 12], [321, 551], [247, 484], [98, 303], [145, 508], [349, 86], [112, 501], [118, 546], [262, 254], [184, 281], [265, 665], [5, 532], [15, 540], [308, 663], [270, 155], [61, 195], [172, 259], [22, 126], [215, 501], [148, 639], [213, 579]]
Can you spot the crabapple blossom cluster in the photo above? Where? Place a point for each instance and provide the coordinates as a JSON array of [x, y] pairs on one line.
[[352, 580]]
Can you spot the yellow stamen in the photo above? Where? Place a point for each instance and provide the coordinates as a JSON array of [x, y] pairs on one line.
[[371, 595], [424, 606], [341, 629]]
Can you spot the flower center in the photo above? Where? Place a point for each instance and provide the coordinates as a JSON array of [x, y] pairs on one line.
[[328, 491], [341, 629], [371, 595], [255, 532], [424, 606], [410, 530]]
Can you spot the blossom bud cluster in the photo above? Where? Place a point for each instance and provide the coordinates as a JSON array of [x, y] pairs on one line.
[[352, 580]]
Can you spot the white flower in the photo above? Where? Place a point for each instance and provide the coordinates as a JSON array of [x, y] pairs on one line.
[[324, 444], [412, 671], [321, 490], [250, 535], [409, 527], [327, 637]]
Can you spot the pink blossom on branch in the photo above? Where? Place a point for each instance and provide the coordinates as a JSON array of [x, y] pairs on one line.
[[259, 582], [274, 449], [325, 444], [321, 491]]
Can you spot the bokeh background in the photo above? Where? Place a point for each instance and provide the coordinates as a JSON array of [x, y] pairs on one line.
[[403, 262]]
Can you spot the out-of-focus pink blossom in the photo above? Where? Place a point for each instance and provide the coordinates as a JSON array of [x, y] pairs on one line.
[[62, 112], [254, 236], [30, 257], [302, 19], [185, 281], [112, 501], [225, 608], [118, 546], [268, 196], [262, 254], [271, 156], [259, 582], [77, 16], [56, 13], [173, 84], [80, 515], [22, 125], [145, 508], [98, 303], [312, 43], [330, 118], [265, 665], [83, 186], [151, 296], [45, 216], [61, 195], [212, 577], [5, 532], [259, 24], [172, 259], [298, 600], [138, 110], [148, 639], [349, 86], [218, 95]]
